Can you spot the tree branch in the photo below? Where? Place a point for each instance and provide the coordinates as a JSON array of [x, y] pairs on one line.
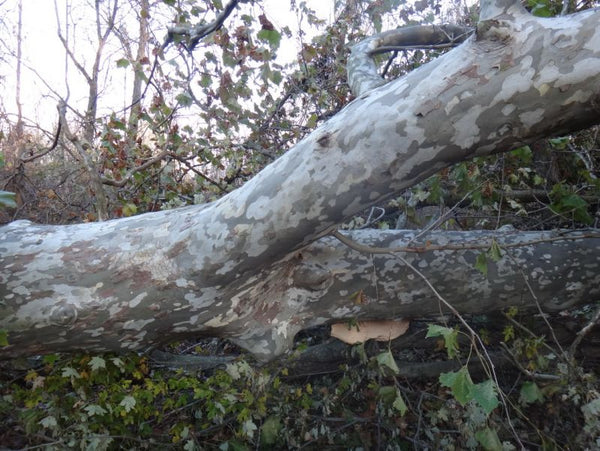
[[131, 172], [197, 32], [363, 74]]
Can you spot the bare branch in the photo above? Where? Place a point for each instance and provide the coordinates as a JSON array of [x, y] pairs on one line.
[[196, 33], [131, 172]]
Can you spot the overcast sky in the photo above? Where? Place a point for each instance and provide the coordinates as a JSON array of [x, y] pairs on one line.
[[43, 53]]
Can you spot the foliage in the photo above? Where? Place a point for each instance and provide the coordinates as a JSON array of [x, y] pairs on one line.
[[7, 199], [111, 402]]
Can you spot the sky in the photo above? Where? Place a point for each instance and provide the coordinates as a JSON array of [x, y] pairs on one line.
[[44, 69], [44, 56]]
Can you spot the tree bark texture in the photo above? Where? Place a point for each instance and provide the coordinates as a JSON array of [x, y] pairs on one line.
[[254, 265]]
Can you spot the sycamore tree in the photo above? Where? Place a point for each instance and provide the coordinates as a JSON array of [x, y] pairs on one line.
[[268, 259]]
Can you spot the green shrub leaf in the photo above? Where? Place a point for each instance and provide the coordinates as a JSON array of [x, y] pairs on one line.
[[485, 395], [530, 393], [460, 384], [488, 439]]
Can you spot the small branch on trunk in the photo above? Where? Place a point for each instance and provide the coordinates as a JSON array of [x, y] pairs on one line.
[[131, 172], [363, 74], [82, 148]]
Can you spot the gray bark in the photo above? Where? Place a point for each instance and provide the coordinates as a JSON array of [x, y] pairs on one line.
[[254, 265]]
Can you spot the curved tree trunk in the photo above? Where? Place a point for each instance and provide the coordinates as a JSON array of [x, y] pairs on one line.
[[244, 266]]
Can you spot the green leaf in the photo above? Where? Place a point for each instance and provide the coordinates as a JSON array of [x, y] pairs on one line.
[[460, 384], [485, 395], [540, 8], [128, 403], [270, 430], [386, 359], [271, 36], [122, 62], [559, 143], [275, 76], [524, 153], [118, 362], [96, 363], [67, 371], [238, 369], [184, 99], [8, 199], [387, 393], [205, 80], [591, 412], [49, 422], [530, 393], [495, 253], [450, 338], [488, 439], [94, 409], [248, 428], [481, 263], [3, 337], [229, 59], [399, 404], [117, 123], [129, 209], [50, 359], [312, 121]]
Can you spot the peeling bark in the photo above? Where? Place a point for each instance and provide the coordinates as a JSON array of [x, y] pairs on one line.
[[254, 266]]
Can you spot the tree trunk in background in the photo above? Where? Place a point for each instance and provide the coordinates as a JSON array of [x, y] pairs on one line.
[[254, 266], [138, 70]]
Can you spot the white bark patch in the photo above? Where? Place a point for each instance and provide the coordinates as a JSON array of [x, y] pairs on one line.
[[467, 131], [582, 71], [136, 300], [98, 332], [531, 118], [451, 104], [137, 324], [115, 308], [260, 208], [593, 43], [196, 302], [282, 328], [580, 96], [219, 321], [21, 291], [516, 83], [36, 311], [548, 74]]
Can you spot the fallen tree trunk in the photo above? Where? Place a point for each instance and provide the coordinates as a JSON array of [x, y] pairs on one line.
[[92, 294], [244, 266]]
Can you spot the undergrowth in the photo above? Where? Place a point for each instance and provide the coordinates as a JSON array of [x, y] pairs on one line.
[[544, 400]]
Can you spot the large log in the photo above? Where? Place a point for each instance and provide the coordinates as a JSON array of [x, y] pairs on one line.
[[249, 265]]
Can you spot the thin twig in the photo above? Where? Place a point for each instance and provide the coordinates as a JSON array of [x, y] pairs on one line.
[[131, 172], [539, 307], [451, 247], [526, 330], [525, 371], [583, 332]]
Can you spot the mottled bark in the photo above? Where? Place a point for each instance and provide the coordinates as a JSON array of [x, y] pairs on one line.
[[253, 266], [133, 283]]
